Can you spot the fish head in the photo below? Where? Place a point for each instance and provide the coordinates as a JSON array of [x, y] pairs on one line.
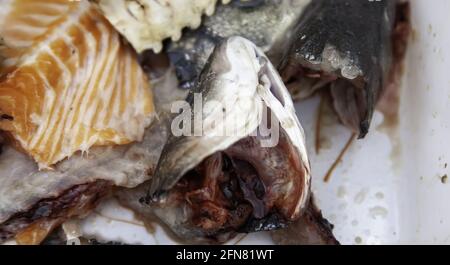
[[344, 46], [234, 176]]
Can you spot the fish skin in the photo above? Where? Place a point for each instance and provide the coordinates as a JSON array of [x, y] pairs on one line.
[[311, 229], [266, 23], [22, 185], [351, 40], [33, 226], [68, 82]]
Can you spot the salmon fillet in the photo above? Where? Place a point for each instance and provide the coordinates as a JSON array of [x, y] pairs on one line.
[[67, 81]]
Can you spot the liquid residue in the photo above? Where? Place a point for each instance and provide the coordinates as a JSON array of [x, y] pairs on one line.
[[389, 103], [444, 179], [360, 196], [378, 212], [342, 192], [379, 195]]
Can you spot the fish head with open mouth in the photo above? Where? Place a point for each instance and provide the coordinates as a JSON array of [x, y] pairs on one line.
[[215, 184]]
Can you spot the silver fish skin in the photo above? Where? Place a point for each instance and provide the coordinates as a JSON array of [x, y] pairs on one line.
[[24, 188], [348, 46], [210, 187], [267, 23]]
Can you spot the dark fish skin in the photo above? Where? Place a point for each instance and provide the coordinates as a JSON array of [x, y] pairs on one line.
[[51, 212], [361, 34], [266, 23], [248, 4], [310, 229]]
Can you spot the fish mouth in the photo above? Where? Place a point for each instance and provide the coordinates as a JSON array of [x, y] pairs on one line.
[[245, 188]]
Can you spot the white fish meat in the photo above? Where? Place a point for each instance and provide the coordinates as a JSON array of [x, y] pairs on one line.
[[147, 23]]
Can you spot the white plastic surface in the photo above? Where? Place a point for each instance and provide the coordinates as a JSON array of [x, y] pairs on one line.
[[389, 187]]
